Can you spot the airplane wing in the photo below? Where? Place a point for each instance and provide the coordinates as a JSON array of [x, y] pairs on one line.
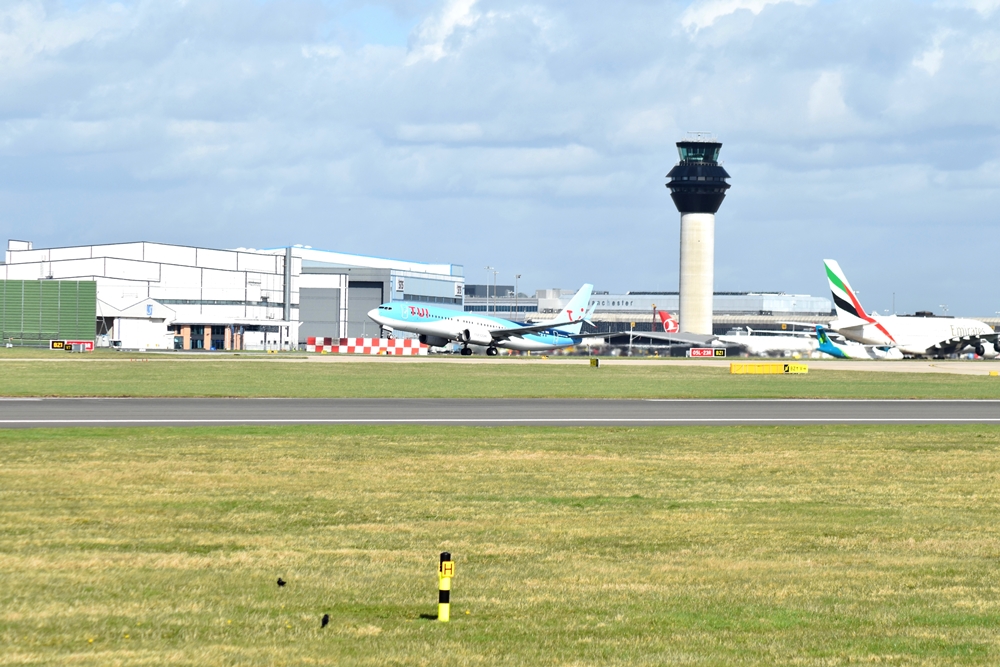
[[504, 334], [677, 338], [950, 345], [806, 326]]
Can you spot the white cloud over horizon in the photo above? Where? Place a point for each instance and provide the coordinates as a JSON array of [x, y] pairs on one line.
[[531, 136]]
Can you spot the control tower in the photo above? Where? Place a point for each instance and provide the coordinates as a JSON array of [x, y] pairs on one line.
[[697, 186]]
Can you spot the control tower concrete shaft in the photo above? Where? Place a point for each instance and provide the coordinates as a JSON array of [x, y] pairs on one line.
[[697, 186]]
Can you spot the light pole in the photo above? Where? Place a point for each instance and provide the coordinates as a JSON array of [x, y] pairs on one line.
[[488, 269], [517, 277], [495, 272]]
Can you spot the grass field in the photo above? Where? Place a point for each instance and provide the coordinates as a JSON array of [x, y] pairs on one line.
[[203, 377], [695, 546]]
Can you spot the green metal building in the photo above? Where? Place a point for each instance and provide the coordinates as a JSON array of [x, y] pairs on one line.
[[33, 312]]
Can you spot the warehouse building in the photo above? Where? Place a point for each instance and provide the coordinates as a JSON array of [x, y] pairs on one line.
[[160, 296]]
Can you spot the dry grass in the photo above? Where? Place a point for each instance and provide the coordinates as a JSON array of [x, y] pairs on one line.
[[700, 546]]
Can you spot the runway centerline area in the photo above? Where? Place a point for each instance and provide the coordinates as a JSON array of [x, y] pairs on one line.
[[65, 412]]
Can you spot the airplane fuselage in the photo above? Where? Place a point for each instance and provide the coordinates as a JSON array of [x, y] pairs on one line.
[[438, 326], [759, 344], [914, 336]]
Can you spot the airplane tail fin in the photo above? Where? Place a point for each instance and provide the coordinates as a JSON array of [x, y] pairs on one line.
[[670, 324], [844, 299], [826, 345], [821, 335], [570, 319]]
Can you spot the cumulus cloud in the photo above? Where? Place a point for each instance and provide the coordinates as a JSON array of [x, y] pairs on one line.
[[516, 133], [704, 13], [435, 32], [826, 98]]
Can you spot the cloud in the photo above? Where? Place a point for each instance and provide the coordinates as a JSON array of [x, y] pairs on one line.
[[931, 60], [435, 32], [826, 98], [704, 13], [984, 7], [514, 133], [437, 132]]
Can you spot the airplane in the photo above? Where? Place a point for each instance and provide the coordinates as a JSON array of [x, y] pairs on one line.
[[758, 343], [914, 335], [852, 350], [437, 326], [767, 343]]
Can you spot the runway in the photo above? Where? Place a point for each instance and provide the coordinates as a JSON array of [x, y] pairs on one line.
[[103, 412]]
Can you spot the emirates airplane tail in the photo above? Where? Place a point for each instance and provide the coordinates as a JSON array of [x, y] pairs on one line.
[[844, 299]]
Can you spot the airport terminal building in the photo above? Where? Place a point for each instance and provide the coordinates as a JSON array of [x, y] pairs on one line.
[[150, 296], [635, 310]]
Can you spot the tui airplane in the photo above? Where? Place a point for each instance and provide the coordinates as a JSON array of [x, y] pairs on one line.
[[437, 326]]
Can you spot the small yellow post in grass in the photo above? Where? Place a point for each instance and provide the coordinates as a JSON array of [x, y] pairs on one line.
[[446, 570], [595, 362], [994, 373]]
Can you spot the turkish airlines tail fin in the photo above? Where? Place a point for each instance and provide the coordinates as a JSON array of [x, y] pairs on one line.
[[570, 319], [844, 299], [670, 324]]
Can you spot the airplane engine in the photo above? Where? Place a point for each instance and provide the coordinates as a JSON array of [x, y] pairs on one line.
[[476, 336], [996, 346], [433, 341], [980, 350]]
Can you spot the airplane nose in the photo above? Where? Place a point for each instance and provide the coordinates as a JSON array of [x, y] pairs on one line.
[[374, 314]]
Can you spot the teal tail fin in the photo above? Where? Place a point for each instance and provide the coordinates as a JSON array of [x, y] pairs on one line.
[[826, 345]]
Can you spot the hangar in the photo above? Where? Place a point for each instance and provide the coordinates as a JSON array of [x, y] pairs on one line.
[[146, 295]]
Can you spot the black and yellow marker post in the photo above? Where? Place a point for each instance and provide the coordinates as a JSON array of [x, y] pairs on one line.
[[446, 570]]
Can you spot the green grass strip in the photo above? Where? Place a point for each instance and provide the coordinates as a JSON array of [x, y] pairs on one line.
[[167, 377]]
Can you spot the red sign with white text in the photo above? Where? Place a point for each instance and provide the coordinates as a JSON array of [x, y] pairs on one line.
[[707, 352]]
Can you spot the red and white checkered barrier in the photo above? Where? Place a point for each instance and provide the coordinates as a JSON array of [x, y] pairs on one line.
[[388, 346]]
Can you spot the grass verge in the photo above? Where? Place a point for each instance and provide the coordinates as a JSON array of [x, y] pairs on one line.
[[168, 377], [700, 546]]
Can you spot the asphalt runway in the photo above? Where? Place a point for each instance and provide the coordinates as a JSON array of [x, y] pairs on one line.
[[56, 412]]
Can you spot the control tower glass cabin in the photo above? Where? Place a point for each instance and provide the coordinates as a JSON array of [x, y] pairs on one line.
[[697, 183]]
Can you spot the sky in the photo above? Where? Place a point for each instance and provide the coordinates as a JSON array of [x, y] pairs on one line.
[[532, 136]]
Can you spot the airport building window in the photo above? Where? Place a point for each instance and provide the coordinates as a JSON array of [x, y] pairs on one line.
[[501, 308], [431, 299]]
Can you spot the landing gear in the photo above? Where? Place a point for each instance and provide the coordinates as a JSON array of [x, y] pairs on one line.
[[466, 351], [492, 351]]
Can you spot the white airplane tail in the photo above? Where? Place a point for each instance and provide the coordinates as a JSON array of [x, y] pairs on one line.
[[571, 318], [844, 299]]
